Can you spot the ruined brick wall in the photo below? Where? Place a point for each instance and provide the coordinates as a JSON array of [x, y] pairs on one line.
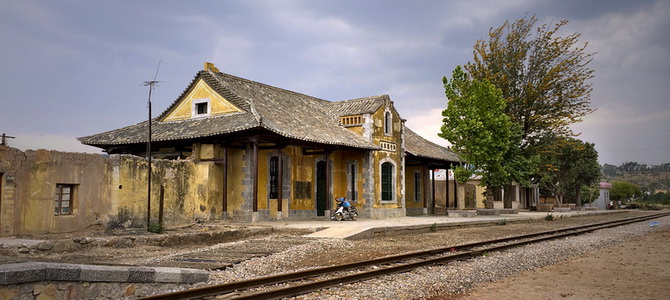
[[29, 187], [108, 191]]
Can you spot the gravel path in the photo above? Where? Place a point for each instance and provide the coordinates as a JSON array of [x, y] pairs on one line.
[[454, 278]]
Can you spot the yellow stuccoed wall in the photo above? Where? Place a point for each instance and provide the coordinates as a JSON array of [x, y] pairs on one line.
[[201, 90], [302, 168], [410, 202], [110, 192], [29, 186], [378, 136]]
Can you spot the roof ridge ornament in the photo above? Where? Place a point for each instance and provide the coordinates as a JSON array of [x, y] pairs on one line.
[[210, 67]]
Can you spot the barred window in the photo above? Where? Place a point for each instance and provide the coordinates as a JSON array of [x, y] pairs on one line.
[[387, 181], [63, 199], [417, 186], [352, 182], [274, 177]]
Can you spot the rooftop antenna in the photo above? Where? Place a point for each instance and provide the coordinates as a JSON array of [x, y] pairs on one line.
[[152, 85], [3, 141]]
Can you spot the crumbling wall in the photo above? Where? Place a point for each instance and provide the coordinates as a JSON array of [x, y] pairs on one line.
[[109, 191], [29, 188]]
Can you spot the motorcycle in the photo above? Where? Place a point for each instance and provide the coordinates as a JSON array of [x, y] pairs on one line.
[[341, 213]]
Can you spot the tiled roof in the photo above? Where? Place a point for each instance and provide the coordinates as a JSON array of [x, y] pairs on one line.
[[289, 114], [418, 146], [358, 106], [286, 113]]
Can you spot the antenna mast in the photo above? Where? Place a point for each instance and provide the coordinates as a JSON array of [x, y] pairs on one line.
[[3, 141], [152, 85]]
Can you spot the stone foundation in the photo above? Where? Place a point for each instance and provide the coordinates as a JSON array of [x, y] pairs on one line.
[[380, 213]]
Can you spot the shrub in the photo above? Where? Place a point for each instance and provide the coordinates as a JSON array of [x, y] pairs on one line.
[[643, 205], [155, 227], [549, 217]]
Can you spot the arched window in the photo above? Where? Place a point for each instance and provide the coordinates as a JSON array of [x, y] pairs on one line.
[[387, 123], [387, 181], [274, 177]]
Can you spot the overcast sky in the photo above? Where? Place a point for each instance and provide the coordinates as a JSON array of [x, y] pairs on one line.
[[75, 68]]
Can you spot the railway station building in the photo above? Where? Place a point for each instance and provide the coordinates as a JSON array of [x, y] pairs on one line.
[[234, 149]]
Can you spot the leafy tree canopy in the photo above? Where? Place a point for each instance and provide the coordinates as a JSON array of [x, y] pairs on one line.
[[622, 190], [479, 131], [567, 165], [543, 77]]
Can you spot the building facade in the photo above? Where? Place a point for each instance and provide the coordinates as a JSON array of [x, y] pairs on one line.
[[236, 149]]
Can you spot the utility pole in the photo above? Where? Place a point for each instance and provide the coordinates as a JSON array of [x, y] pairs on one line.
[[151, 84], [3, 142]]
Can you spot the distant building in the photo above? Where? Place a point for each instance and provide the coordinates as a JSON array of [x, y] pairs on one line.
[[604, 197]]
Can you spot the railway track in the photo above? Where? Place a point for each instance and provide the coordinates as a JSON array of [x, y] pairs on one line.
[[302, 282]]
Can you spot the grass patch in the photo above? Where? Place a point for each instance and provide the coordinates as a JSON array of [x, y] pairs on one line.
[[155, 228]]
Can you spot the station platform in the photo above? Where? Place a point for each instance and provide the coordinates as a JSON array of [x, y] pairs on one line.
[[366, 228], [15, 270]]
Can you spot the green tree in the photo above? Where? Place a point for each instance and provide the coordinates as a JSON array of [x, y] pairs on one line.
[[567, 165], [542, 76], [622, 190], [588, 172], [610, 170], [590, 193], [475, 124]]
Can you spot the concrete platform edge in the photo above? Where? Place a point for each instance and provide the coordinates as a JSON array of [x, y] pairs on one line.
[[26, 272]]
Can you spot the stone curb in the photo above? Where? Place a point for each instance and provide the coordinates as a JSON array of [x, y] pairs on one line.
[[16, 273]]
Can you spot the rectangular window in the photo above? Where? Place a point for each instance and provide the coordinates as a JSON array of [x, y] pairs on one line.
[[63, 199], [417, 186], [202, 108]]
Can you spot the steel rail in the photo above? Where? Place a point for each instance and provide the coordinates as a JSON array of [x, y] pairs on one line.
[[304, 288]]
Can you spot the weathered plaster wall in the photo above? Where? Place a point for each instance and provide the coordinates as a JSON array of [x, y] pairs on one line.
[[410, 201], [396, 206], [300, 171], [201, 91], [109, 191], [29, 187]]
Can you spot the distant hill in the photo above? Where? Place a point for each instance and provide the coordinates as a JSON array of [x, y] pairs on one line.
[[652, 179]]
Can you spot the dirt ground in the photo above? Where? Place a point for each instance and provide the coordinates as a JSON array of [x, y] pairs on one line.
[[635, 269]]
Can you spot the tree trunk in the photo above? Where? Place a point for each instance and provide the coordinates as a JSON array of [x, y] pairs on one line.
[[578, 199], [507, 196], [488, 201]]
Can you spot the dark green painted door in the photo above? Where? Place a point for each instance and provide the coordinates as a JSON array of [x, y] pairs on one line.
[[321, 188]]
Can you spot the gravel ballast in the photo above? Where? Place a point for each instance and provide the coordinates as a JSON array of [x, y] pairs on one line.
[[452, 278]]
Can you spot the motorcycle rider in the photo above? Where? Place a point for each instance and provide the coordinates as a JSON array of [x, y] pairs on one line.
[[345, 204]]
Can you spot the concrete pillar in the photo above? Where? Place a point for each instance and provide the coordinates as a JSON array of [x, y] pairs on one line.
[[461, 196]]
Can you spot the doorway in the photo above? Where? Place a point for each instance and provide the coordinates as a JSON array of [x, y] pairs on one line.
[[321, 188]]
